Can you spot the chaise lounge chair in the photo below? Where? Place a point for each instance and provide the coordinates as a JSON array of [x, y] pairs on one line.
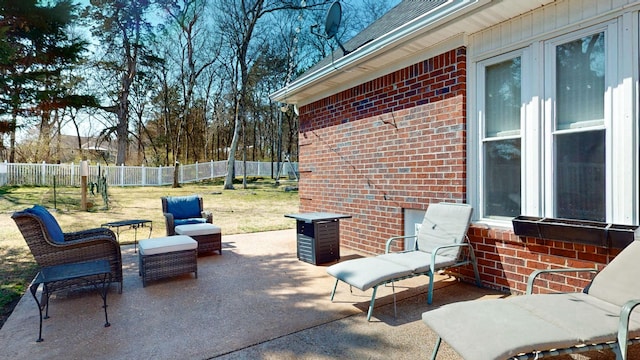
[[540, 325], [439, 245]]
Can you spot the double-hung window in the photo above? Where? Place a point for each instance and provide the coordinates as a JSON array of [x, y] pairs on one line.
[[501, 112], [549, 139], [577, 115]]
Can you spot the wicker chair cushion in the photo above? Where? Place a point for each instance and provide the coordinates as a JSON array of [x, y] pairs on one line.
[[166, 245], [198, 229], [184, 207], [198, 220], [53, 228]]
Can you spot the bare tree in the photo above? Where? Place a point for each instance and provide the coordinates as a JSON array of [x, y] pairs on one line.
[[238, 22], [122, 26], [196, 54]]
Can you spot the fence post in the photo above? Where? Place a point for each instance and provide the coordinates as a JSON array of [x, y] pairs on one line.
[[73, 173], [43, 173], [3, 173], [160, 175], [121, 174], [197, 177], [144, 175]]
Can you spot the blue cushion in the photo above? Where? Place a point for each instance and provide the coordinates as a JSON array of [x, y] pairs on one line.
[[184, 207], [177, 222], [50, 223]]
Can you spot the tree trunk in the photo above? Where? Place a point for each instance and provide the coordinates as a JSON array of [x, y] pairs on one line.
[[12, 140], [228, 180]]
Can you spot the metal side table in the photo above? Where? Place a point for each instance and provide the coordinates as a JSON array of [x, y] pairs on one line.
[[132, 224], [57, 277]]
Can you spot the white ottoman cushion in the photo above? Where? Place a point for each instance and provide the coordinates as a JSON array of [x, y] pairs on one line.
[[197, 229], [166, 244]]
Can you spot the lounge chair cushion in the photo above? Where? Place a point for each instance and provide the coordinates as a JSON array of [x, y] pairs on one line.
[[614, 283], [533, 322], [53, 228], [364, 273], [184, 207], [444, 222]]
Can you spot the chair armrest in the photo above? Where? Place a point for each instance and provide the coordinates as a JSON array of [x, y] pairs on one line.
[[536, 273], [101, 233], [623, 325], [392, 239], [207, 215], [169, 222], [435, 252]]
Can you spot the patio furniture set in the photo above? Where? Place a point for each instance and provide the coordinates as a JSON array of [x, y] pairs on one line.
[[92, 257], [519, 327]]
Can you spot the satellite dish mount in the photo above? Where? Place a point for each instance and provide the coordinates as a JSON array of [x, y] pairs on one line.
[[332, 23]]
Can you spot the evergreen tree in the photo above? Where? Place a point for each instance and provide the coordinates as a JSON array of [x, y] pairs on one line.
[[36, 53]]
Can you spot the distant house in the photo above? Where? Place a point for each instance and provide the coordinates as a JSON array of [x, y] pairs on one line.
[[515, 107], [93, 149]]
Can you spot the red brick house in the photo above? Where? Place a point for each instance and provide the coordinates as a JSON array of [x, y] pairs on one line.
[[515, 107]]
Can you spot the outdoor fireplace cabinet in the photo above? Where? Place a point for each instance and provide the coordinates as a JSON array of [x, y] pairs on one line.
[[578, 231], [318, 236]]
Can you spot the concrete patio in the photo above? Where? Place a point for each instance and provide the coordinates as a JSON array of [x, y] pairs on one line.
[[256, 301]]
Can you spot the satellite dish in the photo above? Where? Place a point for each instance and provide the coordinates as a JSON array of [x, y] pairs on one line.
[[332, 22]]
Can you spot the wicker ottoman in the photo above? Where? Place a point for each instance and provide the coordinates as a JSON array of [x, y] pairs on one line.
[[166, 257], [208, 236]]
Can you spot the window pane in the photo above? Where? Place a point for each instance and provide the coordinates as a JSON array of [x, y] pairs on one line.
[[502, 178], [580, 82], [580, 176], [502, 98]]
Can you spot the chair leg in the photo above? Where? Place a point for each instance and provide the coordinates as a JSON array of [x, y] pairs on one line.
[[475, 266], [395, 308], [334, 289], [373, 300], [430, 291], [436, 348]]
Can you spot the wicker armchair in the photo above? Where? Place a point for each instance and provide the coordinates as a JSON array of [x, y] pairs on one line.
[[50, 246], [182, 210]]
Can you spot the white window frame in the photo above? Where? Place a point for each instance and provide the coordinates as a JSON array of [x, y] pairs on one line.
[[480, 101], [549, 118], [621, 123]]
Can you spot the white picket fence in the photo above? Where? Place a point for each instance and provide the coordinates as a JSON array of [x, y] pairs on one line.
[[44, 174]]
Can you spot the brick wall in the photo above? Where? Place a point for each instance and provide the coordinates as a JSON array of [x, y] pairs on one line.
[[506, 260], [392, 143], [399, 142]]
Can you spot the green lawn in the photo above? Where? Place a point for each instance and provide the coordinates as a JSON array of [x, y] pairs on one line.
[[260, 207]]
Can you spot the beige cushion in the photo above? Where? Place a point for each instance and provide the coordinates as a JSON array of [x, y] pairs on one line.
[[618, 282], [197, 229], [366, 272], [500, 328], [444, 224], [166, 244]]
